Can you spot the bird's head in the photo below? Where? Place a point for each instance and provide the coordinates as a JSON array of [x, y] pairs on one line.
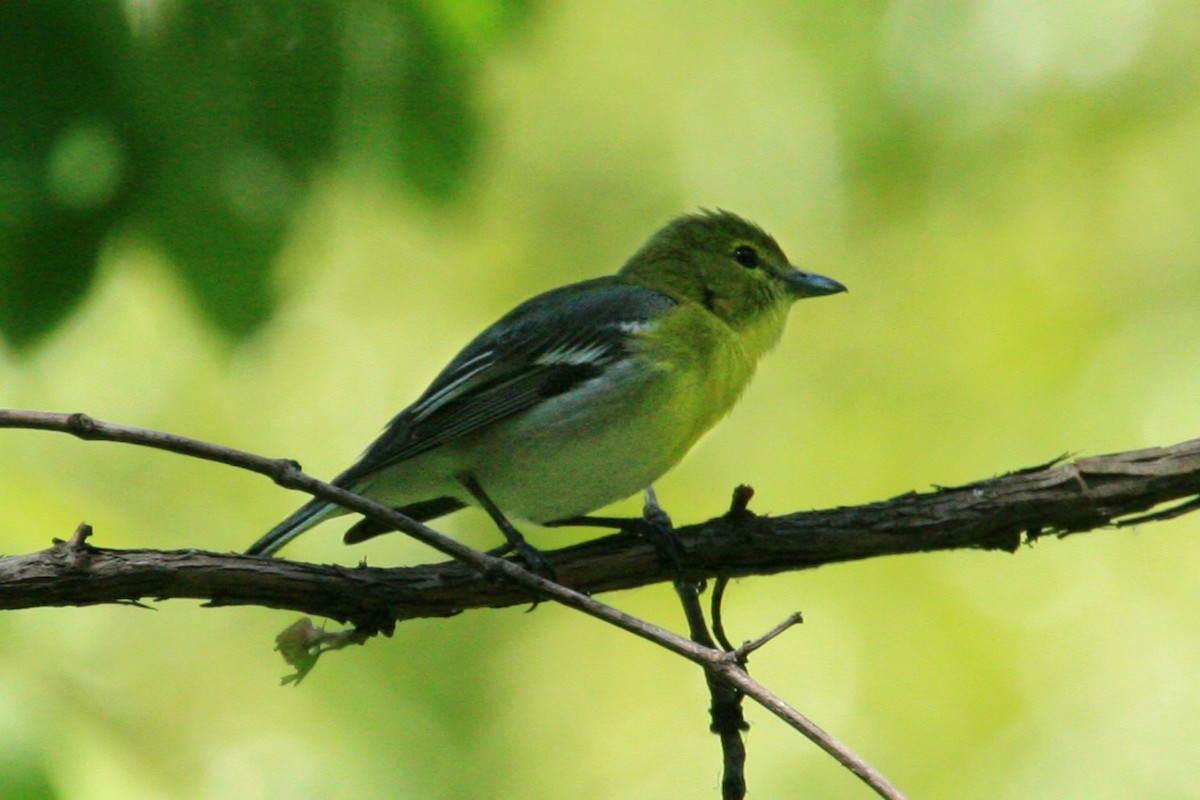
[[732, 267]]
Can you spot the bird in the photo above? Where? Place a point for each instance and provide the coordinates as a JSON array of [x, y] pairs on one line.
[[585, 394]]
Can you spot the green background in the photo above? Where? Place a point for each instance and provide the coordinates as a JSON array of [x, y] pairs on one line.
[[272, 223]]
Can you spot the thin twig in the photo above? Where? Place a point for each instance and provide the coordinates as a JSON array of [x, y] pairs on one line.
[[994, 514], [746, 649], [735, 674], [715, 606], [287, 473]]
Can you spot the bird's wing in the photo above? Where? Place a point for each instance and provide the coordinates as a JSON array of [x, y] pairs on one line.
[[542, 348]]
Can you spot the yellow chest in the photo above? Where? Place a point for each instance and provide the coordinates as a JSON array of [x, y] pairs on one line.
[[710, 365]]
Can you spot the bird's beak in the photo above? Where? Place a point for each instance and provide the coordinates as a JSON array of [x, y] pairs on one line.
[[809, 284]]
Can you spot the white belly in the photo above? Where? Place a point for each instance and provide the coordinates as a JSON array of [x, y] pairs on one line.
[[573, 454], [580, 451]]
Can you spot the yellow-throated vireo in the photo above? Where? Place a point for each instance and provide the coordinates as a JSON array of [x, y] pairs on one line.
[[588, 393]]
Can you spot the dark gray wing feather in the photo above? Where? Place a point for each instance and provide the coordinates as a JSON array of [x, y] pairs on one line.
[[543, 347]]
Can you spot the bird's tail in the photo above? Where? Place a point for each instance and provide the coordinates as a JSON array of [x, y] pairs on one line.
[[302, 519]]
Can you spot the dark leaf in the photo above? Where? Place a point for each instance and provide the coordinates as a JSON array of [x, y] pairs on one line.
[[241, 100], [65, 167]]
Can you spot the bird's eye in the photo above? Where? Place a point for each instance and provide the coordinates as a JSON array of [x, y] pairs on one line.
[[746, 256]]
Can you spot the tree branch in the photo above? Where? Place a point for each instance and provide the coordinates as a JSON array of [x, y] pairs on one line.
[[993, 514], [75, 557], [999, 513]]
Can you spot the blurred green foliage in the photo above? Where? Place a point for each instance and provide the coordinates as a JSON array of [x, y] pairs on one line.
[[200, 123], [23, 778], [63, 176], [1009, 188]]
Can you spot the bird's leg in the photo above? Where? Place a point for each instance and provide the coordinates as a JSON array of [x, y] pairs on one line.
[[658, 528], [654, 524], [533, 558]]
